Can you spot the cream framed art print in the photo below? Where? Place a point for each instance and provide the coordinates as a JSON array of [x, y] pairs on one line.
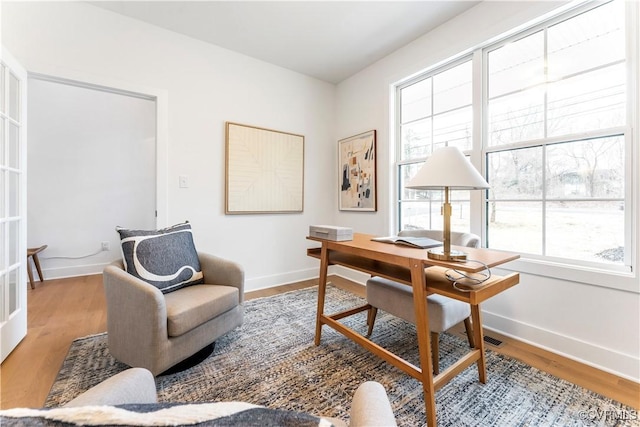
[[264, 170]]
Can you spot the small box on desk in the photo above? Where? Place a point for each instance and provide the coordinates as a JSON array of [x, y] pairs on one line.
[[331, 232]]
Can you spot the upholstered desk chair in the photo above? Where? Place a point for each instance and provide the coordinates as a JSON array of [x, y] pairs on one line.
[[397, 299], [156, 331]]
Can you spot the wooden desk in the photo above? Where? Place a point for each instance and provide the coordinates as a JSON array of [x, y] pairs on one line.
[[407, 266]]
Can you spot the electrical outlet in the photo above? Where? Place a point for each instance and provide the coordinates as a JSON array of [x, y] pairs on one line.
[[105, 246], [183, 181]]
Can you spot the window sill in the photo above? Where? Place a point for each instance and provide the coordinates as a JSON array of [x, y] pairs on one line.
[[623, 281]]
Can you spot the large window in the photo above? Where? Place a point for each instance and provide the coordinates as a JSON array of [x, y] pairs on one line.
[[435, 111], [555, 142]]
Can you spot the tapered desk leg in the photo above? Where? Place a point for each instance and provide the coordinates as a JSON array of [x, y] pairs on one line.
[[322, 288], [418, 280], [478, 337]]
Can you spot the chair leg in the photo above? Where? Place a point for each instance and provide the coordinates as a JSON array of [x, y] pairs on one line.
[[467, 326], [30, 273], [36, 261], [435, 349], [371, 319]]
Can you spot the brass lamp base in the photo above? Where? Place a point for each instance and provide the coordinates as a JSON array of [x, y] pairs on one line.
[[441, 255]]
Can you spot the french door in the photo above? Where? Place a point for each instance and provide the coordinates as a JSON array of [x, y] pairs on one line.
[[13, 214]]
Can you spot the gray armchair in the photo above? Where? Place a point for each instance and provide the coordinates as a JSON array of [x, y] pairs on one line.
[[152, 330], [397, 299]]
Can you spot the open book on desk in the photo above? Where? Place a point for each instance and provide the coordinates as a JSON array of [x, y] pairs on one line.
[[414, 242]]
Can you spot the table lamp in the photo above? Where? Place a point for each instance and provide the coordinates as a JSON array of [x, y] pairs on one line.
[[447, 168]]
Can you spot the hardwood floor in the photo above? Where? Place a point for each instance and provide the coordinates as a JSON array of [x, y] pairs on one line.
[[62, 310]]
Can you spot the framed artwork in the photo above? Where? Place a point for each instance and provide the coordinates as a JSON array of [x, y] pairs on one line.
[[264, 170], [357, 157]]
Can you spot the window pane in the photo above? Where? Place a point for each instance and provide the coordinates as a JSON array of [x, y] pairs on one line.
[[14, 96], [427, 214], [14, 194], [3, 264], [2, 92], [416, 140], [453, 129], [13, 242], [416, 101], [420, 215], [586, 169], [515, 226], [590, 101], [589, 231], [586, 41], [517, 117], [13, 290], [14, 146], [515, 174], [452, 88], [3, 197], [517, 65], [2, 141], [2, 297], [460, 214]]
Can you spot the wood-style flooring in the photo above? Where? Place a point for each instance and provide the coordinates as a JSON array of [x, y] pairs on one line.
[[62, 310]]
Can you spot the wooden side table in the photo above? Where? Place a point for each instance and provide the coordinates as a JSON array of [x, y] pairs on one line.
[[33, 253]]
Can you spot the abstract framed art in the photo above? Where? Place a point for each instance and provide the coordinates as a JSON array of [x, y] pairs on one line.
[[357, 157], [264, 170]]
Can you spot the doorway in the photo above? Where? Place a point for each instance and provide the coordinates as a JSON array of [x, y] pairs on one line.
[[91, 167]]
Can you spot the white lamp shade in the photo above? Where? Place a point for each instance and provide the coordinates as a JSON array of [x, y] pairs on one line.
[[447, 167]]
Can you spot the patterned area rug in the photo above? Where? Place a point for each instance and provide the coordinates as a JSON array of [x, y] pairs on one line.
[[271, 361]]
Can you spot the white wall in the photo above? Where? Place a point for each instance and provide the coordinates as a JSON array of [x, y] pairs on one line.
[[91, 166], [205, 86], [596, 325]]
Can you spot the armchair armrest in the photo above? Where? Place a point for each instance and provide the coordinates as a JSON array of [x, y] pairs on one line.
[[131, 301], [135, 385], [371, 407], [220, 271]]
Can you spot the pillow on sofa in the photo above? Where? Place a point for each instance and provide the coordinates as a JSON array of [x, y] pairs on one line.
[[166, 258], [163, 414]]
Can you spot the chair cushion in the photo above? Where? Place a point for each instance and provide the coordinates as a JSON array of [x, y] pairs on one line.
[[397, 299], [166, 258], [192, 306]]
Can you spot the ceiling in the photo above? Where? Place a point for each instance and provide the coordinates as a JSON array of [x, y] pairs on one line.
[[328, 40]]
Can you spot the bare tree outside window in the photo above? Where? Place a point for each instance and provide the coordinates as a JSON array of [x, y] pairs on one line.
[[561, 182]]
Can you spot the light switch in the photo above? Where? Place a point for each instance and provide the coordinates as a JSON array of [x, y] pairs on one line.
[[183, 182]]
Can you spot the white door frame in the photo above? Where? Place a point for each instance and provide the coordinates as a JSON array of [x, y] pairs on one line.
[[13, 266]]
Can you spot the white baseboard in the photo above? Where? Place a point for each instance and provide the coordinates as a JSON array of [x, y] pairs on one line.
[[353, 275], [620, 364], [264, 282], [73, 271]]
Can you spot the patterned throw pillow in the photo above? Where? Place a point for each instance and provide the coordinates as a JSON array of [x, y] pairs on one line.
[[166, 258]]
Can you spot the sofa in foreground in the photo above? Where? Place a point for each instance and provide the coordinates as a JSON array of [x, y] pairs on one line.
[[129, 398]]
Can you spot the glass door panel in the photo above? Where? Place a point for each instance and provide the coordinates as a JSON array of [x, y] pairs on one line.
[[13, 244]]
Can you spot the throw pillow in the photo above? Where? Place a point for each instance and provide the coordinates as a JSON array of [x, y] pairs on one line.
[[166, 258]]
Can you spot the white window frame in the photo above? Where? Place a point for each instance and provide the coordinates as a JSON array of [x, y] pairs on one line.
[[610, 276], [430, 73]]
